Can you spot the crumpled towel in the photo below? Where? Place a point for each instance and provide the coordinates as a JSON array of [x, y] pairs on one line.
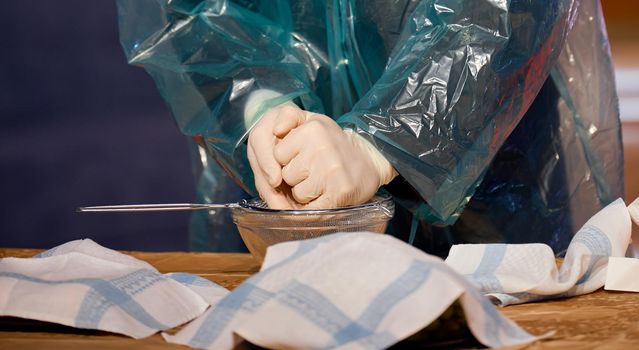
[[84, 285], [346, 291], [519, 273]]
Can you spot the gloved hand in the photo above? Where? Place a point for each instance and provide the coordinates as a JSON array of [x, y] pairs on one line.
[[266, 170], [327, 167]]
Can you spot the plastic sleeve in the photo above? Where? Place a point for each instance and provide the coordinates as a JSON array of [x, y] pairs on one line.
[[458, 82]]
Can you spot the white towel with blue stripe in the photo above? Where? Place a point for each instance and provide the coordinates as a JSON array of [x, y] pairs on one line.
[[519, 273], [345, 291], [84, 285]]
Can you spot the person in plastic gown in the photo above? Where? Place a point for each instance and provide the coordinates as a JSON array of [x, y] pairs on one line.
[[499, 118]]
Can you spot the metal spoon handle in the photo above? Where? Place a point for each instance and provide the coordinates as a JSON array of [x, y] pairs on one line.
[[155, 207]]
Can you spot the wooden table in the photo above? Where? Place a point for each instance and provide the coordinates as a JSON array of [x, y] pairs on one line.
[[601, 320]]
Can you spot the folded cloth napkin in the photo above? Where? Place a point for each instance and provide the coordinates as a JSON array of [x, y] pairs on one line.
[[519, 273], [82, 284], [347, 291], [633, 208]]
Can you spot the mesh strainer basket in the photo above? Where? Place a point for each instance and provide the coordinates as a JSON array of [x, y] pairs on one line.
[[261, 227]]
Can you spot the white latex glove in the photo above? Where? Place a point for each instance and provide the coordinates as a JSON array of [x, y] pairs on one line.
[[261, 143], [328, 167]]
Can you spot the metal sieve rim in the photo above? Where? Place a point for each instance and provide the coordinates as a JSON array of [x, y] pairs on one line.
[[380, 201]]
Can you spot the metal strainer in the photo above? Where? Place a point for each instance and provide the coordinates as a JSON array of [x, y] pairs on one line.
[[261, 227]]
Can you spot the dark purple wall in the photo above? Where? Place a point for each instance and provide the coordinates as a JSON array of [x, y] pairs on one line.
[[78, 126]]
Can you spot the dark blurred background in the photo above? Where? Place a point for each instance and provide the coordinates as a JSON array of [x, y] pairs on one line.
[[81, 127]]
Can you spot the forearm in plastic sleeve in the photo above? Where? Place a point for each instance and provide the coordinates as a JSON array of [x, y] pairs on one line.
[[206, 60], [456, 85]]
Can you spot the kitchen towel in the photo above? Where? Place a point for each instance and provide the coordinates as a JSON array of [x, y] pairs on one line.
[[519, 273], [84, 285], [347, 291]]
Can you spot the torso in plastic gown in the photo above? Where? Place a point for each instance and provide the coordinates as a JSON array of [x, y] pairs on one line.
[[500, 116]]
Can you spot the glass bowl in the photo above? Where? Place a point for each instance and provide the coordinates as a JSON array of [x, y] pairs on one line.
[[261, 227]]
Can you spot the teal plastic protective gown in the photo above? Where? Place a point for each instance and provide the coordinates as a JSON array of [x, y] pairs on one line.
[[500, 116]]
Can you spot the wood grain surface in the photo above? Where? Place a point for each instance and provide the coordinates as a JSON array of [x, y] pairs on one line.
[[225, 269], [601, 320]]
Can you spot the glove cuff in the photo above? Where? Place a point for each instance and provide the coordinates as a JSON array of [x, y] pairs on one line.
[[384, 168], [253, 104]]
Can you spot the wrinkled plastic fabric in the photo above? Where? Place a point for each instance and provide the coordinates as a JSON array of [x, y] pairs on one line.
[[213, 229], [500, 116]]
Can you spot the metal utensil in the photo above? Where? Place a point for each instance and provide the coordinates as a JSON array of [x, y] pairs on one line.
[[155, 207]]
